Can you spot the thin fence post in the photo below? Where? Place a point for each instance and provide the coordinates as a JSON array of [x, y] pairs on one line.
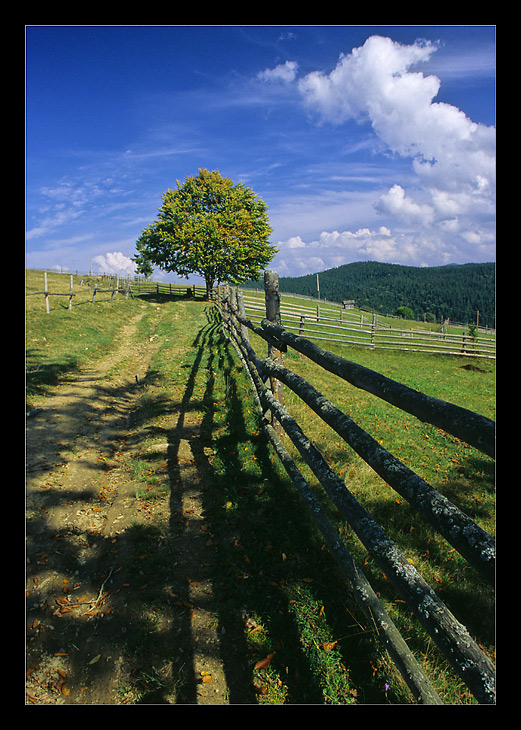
[[70, 296], [272, 298], [46, 292], [242, 313]]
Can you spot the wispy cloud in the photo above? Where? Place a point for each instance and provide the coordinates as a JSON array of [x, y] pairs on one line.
[[452, 159], [283, 72], [339, 152]]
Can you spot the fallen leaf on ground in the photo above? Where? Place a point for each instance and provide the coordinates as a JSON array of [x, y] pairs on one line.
[[264, 663], [328, 645]]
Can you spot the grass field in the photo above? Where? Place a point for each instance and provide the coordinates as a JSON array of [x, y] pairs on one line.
[[332, 325], [305, 640], [460, 472]]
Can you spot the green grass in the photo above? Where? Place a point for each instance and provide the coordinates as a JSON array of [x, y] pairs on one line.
[[267, 549], [270, 556], [279, 591], [334, 320], [462, 473], [61, 342]]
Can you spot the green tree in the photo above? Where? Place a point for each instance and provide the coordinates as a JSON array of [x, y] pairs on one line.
[[211, 227], [404, 313], [144, 267]]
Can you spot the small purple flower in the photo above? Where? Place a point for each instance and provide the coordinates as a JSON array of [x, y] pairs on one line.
[[386, 686]]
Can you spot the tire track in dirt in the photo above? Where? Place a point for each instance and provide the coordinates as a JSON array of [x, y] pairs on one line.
[[78, 501], [81, 502]]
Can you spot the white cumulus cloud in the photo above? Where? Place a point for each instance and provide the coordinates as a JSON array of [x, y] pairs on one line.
[[452, 157], [334, 248], [283, 72], [395, 203], [115, 263]]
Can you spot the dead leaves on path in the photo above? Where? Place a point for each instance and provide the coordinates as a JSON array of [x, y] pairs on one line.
[[66, 605], [265, 663]]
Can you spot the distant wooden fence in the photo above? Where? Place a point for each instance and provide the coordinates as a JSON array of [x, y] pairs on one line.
[[345, 327], [168, 288], [268, 377], [117, 285]]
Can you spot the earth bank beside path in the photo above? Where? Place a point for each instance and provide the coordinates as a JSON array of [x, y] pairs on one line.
[[90, 601]]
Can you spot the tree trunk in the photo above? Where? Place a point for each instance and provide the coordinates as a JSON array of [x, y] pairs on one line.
[[210, 281]]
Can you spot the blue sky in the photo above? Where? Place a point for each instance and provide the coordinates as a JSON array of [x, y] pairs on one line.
[[365, 142]]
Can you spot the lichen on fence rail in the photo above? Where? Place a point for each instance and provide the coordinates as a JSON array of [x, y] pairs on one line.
[[476, 545], [453, 639], [369, 602], [473, 428]]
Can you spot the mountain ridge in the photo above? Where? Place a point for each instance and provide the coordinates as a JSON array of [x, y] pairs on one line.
[[454, 291]]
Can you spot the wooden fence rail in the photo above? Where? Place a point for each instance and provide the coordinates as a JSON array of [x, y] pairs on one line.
[[347, 328], [168, 288], [452, 638], [113, 288], [123, 286]]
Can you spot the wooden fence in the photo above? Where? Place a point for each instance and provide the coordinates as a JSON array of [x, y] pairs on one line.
[[334, 324], [117, 285], [168, 288], [268, 377]]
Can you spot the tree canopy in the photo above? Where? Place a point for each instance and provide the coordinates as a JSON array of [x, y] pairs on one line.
[[208, 226]]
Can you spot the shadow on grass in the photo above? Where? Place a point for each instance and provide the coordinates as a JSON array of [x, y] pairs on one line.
[[262, 541], [40, 374]]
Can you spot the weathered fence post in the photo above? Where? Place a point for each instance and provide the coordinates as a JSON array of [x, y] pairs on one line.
[[71, 295], [272, 297], [242, 313], [268, 377], [46, 292]]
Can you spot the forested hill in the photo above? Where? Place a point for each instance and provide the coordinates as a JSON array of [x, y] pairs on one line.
[[453, 291]]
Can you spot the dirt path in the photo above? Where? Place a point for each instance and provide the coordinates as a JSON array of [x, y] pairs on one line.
[[83, 577]]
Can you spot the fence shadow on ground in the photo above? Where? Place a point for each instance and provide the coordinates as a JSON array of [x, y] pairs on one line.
[[248, 573], [143, 567]]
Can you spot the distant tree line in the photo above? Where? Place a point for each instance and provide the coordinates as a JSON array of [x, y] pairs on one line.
[[433, 293]]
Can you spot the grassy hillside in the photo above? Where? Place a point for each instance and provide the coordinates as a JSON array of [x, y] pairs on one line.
[[454, 292], [279, 591], [61, 342]]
